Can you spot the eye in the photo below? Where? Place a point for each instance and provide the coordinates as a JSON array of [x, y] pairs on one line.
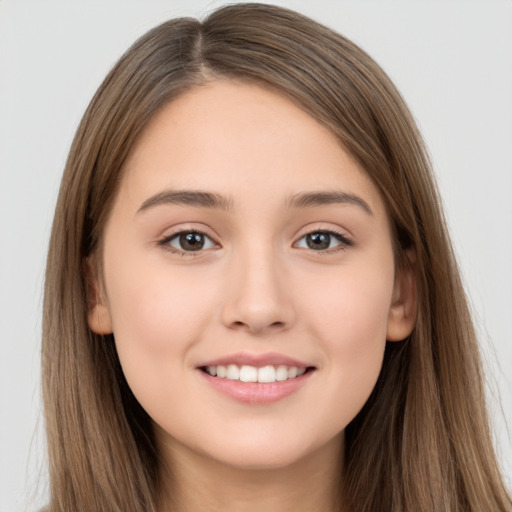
[[188, 241], [323, 241]]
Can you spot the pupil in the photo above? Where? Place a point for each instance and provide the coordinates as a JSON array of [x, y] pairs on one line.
[[192, 241], [318, 241]]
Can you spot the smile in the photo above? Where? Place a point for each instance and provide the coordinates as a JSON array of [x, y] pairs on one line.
[[246, 373], [256, 378]]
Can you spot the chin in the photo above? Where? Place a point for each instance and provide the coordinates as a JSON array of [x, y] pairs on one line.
[[270, 454], [259, 460]]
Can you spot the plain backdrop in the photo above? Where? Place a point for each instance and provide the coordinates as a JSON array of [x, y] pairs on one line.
[[452, 60]]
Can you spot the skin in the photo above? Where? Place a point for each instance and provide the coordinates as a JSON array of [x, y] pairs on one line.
[[256, 287]]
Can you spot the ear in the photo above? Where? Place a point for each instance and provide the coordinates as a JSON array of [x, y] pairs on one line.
[[404, 304], [98, 313]]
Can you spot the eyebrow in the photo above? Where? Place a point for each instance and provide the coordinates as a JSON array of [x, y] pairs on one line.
[[308, 199], [187, 198], [212, 200]]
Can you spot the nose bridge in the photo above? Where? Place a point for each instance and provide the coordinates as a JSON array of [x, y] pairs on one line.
[[257, 298]]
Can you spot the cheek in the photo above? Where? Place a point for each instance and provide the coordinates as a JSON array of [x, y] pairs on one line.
[[155, 308], [350, 306], [349, 320], [157, 315]]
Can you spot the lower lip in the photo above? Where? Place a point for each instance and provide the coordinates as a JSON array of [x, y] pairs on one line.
[[256, 392]]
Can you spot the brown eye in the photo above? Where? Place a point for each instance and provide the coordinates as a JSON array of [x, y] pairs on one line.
[[318, 241], [189, 241], [323, 240]]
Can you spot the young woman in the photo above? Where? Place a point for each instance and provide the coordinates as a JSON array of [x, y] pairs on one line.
[[251, 300]]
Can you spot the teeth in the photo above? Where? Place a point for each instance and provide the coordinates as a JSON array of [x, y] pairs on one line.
[[281, 373], [233, 372], [267, 374], [248, 373]]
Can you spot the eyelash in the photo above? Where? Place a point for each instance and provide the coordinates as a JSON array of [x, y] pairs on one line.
[[344, 242]]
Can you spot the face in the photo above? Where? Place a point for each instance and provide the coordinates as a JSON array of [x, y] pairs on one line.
[[248, 278]]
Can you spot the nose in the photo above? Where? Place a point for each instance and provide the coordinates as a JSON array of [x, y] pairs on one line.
[[258, 298]]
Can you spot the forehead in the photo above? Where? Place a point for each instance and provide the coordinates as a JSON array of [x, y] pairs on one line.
[[242, 140]]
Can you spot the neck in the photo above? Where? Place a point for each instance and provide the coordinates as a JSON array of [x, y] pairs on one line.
[[194, 482]]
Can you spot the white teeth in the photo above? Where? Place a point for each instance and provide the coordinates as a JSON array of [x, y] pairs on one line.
[[233, 372], [246, 373], [281, 373], [267, 374]]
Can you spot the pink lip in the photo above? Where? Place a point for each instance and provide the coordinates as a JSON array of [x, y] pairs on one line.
[[257, 360], [256, 392]]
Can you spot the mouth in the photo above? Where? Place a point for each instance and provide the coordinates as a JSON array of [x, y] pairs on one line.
[[256, 378], [267, 374]]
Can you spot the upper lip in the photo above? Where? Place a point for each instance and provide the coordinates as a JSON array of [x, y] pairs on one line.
[[257, 360]]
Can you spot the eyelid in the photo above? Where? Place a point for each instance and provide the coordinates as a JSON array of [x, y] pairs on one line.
[[187, 227]]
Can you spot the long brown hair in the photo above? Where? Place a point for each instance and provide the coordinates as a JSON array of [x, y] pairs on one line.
[[421, 442]]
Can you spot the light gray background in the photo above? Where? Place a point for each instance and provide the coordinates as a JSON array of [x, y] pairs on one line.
[[451, 59]]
